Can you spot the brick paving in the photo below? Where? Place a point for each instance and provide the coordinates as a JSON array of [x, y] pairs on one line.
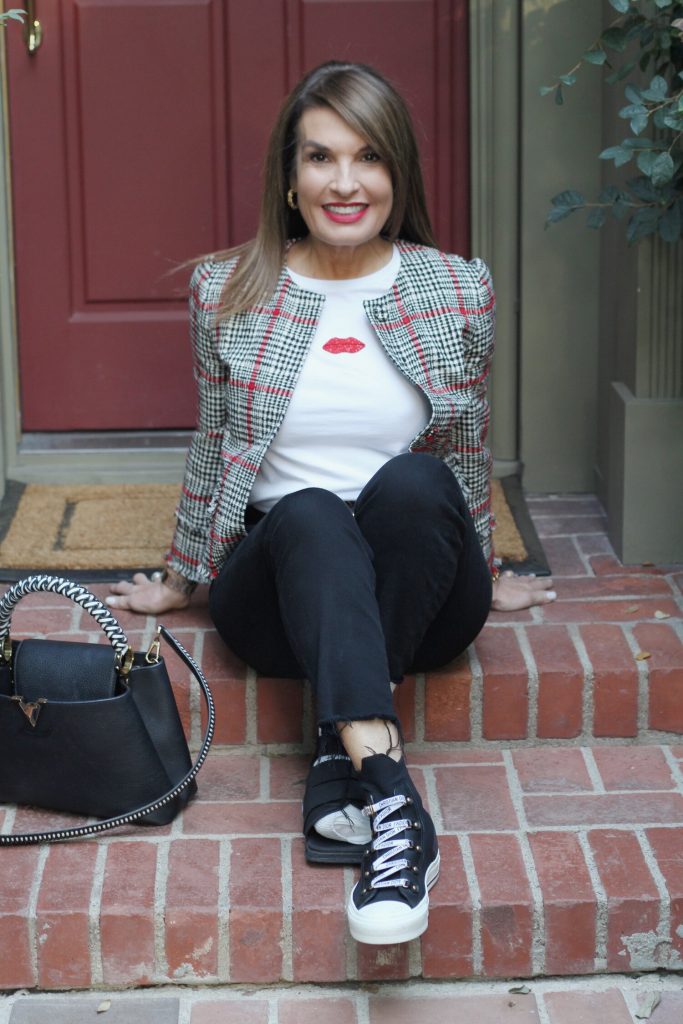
[[551, 758], [610, 1000]]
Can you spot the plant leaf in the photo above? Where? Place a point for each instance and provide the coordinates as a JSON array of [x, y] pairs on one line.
[[104, 1006], [609, 194], [559, 97], [670, 230], [545, 89], [558, 213], [596, 56], [638, 123], [632, 109], [647, 1003], [596, 217], [662, 615], [642, 223], [619, 154], [663, 3], [643, 656], [568, 79], [615, 38], [621, 5], [645, 161], [662, 170], [642, 188], [632, 93], [657, 90], [570, 197], [643, 144]]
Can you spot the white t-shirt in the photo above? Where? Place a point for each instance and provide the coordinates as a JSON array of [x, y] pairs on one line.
[[352, 409]]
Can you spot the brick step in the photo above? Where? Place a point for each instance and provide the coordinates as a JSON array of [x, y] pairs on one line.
[[555, 861], [579, 670]]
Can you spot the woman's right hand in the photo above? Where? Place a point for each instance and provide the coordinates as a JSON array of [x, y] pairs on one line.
[[146, 596]]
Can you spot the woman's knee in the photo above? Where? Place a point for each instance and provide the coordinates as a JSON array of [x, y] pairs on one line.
[[307, 511], [416, 480]]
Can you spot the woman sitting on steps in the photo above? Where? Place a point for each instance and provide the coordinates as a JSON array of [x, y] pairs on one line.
[[336, 492]]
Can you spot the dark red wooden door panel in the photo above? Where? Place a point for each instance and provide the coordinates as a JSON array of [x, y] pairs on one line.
[[137, 136]]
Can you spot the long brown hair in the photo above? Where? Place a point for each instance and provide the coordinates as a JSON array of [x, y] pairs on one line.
[[373, 108]]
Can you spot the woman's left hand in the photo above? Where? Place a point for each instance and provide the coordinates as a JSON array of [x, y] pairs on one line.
[[512, 593]]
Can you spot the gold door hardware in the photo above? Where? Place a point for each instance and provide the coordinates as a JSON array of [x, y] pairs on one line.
[[33, 30]]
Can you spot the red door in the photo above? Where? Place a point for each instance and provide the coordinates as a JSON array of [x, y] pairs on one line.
[[137, 133]]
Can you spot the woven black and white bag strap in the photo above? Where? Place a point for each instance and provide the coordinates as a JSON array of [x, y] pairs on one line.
[[97, 827], [66, 588]]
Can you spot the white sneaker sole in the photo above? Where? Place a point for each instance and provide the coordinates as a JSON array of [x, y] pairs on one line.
[[349, 825], [389, 922]]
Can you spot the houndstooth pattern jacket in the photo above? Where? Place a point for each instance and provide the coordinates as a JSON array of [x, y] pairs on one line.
[[436, 324]]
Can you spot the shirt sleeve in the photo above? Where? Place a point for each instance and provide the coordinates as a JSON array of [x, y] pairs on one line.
[[202, 467], [471, 427]]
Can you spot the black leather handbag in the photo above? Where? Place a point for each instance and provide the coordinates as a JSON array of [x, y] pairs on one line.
[[92, 729]]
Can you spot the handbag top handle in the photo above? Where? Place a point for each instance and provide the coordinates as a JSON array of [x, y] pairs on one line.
[[57, 585]]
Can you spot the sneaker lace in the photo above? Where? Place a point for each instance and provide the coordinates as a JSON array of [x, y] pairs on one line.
[[387, 842]]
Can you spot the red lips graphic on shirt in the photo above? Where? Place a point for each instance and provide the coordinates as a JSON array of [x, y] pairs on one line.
[[337, 345]]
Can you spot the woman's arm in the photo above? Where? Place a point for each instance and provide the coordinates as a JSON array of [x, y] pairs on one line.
[[185, 560], [510, 592]]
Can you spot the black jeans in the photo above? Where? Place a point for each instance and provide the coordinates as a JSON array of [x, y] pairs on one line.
[[352, 600]]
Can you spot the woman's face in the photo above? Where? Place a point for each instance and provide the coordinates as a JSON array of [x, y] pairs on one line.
[[344, 190]]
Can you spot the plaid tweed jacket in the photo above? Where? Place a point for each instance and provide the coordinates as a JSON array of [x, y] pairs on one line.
[[436, 324]]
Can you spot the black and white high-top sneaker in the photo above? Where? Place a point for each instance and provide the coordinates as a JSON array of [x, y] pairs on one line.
[[390, 902]]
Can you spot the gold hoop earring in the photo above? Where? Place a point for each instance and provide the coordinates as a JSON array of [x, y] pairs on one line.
[[291, 201]]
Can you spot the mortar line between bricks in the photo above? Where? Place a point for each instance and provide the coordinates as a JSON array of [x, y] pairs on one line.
[[585, 559], [264, 778], [571, 826], [674, 765], [287, 951], [76, 612], [160, 884], [433, 799], [476, 696], [363, 1008], [538, 918], [588, 687], [94, 917], [601, 915], [195, 697], [678, 626], [475, 900], [593, 770], [532, 680], [10, 818], [643, 678], [664, 926], [415, 959], [32, 909], [543, 1015], [676, 592], [419, 709], [148, 631], [224, 865], [250, 706], [273, 1015], [185, 1008], [351, 946]]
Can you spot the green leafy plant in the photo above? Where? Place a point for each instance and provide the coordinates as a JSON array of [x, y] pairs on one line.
[[649, 35], [16, 14]]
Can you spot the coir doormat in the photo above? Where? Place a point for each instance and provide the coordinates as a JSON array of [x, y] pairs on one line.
[[106, 532]]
